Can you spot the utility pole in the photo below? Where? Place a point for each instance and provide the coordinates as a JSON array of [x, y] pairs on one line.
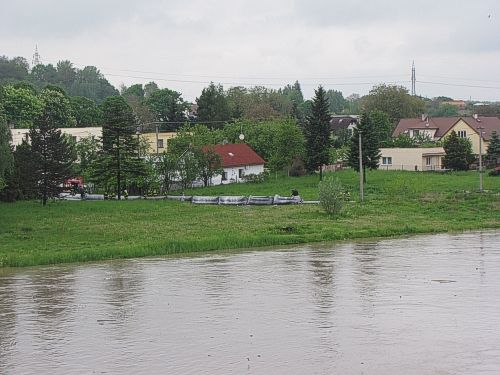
[[480, 128], [361, 192], [119, 177]]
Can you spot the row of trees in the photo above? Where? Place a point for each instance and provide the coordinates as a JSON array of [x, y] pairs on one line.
[[23, 106], [87, 82]]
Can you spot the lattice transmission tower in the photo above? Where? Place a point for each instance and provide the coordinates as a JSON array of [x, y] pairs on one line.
[[37, 60]]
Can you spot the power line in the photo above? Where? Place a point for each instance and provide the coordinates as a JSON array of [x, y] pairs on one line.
[[459, 85], [231, 77], [253, 83], [460, 78]]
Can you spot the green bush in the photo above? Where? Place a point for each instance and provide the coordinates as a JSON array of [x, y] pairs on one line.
[[297, 168], [495, 172], [332, 196], [256, 178]]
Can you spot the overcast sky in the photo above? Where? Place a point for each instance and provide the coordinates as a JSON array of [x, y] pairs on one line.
[[345, 45]]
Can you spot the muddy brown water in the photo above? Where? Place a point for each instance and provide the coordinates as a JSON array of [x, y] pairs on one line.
[[419, 305]]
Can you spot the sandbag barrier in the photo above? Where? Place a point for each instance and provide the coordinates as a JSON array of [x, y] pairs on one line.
[[255, 200]]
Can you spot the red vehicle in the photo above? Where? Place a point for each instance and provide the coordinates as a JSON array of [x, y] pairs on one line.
[[73, 185]]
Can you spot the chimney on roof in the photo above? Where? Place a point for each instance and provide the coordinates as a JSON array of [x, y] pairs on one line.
[[424, 117], [475, 116]]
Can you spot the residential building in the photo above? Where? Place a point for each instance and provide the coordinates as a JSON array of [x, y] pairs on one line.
[[238, 161], [76, 133], [341, 123], [157, 141], [440, 127], [412, 159]]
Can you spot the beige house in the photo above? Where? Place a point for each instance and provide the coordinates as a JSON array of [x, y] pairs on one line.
[[412, 159], [157, 144], [440, 127], [76, 133]]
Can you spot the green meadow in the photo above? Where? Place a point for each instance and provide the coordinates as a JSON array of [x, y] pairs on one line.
[[396, 203]]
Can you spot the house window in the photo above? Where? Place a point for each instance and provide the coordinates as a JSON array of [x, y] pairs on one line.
[[416, 132], [73, 137], [241, 173], [462, 134], [160, 143], [387, 160], [224, 176], [428, 160]]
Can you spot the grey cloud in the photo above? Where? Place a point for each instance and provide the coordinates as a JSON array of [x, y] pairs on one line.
[[62, 19], [369, 12]]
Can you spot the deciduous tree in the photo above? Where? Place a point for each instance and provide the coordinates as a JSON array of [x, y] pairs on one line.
[[167, 106], [12, 70], [393, 100], [213, 105], [85, 111], [21, 106], [209, 163], [6, 158], [56, 107], [336, 101]]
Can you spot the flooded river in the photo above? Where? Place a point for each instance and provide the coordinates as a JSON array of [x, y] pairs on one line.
[[419, 305]]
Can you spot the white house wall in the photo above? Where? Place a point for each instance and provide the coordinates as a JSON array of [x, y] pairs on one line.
[[233, 173], [411, 159], [78, 133], [423, 132]]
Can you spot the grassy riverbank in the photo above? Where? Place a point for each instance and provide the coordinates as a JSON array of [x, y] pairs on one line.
[[396, 203]]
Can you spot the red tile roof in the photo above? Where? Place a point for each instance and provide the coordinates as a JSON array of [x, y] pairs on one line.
[[444, 124], [237, 154]]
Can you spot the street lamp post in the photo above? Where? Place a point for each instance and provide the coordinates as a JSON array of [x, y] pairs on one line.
[[480, 128], [361, 187]]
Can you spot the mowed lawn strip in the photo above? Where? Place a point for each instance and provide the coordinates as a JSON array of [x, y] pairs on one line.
[[397, 203]]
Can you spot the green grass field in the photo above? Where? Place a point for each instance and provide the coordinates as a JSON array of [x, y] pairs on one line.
[[397, 203]]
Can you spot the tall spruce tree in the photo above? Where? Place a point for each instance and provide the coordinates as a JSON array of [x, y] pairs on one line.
[[119, 164], [493, 153], [370, 143], [317, 133], [52, 153], [22, 183], [458, 152], [6, 159]]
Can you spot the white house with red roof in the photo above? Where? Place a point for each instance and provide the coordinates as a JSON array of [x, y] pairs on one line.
[[238, 161]]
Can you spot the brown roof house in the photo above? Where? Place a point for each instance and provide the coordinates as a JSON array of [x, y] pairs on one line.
[[342, 128], [439, 127], [338, 123]]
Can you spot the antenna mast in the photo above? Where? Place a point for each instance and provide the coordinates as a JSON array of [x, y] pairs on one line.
[[37, 60], [413, 79]]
